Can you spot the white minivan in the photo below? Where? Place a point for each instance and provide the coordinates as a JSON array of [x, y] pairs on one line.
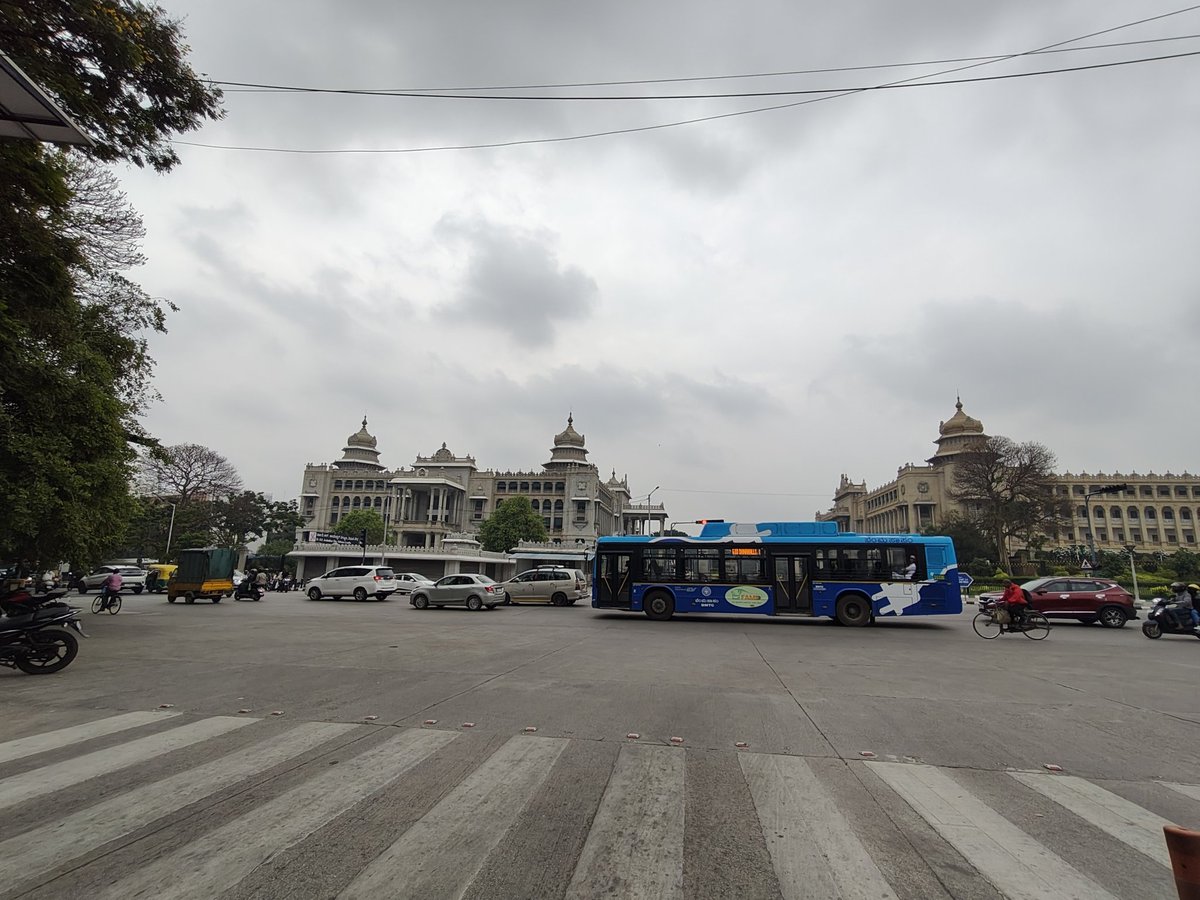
[[359, 582]]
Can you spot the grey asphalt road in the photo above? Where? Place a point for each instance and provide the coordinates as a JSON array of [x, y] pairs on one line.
[[774, 758]]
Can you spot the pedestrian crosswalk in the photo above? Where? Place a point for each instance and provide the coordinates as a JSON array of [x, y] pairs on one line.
[[164, 805]]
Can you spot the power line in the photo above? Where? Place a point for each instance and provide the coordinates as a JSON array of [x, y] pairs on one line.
[[907, 83], [256, 87], [831, 94]]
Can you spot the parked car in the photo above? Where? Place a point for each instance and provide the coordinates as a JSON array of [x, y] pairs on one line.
[[358, 582], [471, 591], [132, 578], [1086, 599], [407, 582], [547, 584]]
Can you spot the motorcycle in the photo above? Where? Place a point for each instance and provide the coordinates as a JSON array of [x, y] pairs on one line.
[[36, 640], [1163, 620], [247, 590], [20, 601]]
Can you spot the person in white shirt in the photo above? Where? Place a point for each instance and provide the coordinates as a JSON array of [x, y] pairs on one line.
[[910, 571]]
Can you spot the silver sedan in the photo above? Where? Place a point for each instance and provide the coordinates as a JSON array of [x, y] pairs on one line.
[[469, 590]]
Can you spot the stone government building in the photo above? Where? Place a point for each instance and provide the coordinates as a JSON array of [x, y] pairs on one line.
[[1154, 513], [433, 509]]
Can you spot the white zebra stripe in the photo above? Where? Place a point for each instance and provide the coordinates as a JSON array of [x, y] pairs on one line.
[[635, 846], [220, 859], [1016, 864], [444, 850], [35, 852], [1127, 822], [19, 788], [1188, 790], [813, 848], [64, 737]]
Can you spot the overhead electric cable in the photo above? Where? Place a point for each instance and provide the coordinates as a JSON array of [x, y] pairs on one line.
[[234, 87], [831, 94]]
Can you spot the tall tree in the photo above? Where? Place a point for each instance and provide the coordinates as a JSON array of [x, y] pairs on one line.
[[249, 515], [1008, 488], [971, 542], [513, 521], [189, 471], [353, 523], [72, 325]]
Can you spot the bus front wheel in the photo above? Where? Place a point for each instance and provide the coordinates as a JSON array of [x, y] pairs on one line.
[[854, 609], [659, 606]]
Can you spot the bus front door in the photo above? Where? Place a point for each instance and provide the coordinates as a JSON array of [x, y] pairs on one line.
[[793, 584], [613, 589]]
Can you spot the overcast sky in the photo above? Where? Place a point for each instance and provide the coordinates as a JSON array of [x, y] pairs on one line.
[[738, 310]]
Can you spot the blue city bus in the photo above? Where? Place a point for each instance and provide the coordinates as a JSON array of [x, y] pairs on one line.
[[778, 569]]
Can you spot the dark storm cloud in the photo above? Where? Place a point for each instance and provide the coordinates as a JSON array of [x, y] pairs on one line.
[[513, 280]]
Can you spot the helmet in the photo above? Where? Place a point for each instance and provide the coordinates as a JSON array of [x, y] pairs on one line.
[[1177, 586], [1194, 587]]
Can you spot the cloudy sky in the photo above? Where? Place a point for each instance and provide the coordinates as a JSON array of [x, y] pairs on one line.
[[736, 310]]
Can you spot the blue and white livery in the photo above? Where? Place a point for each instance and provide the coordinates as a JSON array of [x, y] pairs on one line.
[[779, 568]]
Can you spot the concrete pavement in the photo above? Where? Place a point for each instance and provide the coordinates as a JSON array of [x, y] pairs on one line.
[[201, 799]]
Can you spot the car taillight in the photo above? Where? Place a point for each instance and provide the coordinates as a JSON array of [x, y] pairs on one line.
[[490, 589], [377, 578]]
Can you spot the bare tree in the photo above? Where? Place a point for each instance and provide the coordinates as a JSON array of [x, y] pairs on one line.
[[189, 472], [1008, 488]]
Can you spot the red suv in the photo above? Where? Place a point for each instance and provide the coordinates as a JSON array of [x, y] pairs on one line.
[[1075, 597]]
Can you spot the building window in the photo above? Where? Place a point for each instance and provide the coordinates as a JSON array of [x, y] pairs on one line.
[[546, 522], [1189, 537], [500, 486], [1185, 514], [512, 487], [1168, 514], [357, 502], [336, 501], [537, 487], [558, 507], [358, 486], [1077, 490], [1133, 512], [1171, 539], [378, 502], [1081, 512], [1102, 535], [1135, 535], [1152, 535], [537, 504], [478, 506], [1147, 491], [560, 486], [1099, 512], [1150, 513], [337, 485], [1119, 534], [1164, 491], [558, 522], [1115, 512], [333, 519], [1180, 491]]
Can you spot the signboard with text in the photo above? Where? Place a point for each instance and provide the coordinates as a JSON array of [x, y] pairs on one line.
[[328, 537]]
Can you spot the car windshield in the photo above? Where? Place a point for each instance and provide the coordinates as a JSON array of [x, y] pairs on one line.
[[385, 573]]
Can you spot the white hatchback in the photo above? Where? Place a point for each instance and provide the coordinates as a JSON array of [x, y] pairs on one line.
[[359, 582]]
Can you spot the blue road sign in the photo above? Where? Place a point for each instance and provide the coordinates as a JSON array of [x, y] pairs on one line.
[[965, 580]]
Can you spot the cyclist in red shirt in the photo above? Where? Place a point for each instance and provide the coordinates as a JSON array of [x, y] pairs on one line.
[[1014, 601]]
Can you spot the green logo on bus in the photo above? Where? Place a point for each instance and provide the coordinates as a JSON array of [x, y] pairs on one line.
[[746, 597]]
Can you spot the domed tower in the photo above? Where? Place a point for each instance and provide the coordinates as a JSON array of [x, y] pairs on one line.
[[360, 452], [569, 451], [956, 435]]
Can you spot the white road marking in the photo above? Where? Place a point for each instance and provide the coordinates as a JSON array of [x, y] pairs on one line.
[[813, 848], [1017, 865], [635, 846], [444, 850], [53, 740], [19, 788], [1127, 822], [1188, 790], [35, 852], [217, 861]]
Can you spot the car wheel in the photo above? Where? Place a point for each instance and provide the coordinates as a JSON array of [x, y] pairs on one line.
[[360, 594], [82, 588], [189, 597], [1113, 617], [420, 601], [854, 610], [314, 593], [137, 588], [381, 597], [491, 606], [170, 599], [659, 606], [474, 604], [559, 599]]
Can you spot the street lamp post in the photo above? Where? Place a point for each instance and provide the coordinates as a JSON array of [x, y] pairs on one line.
[[1087, 500], [648, 496], [170, 532], [1133, 569]]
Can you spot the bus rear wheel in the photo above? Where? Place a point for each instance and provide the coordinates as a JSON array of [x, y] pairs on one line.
[[659, 606], [854, 610]]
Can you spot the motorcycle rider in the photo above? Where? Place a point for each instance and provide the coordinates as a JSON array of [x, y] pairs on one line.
[[1181, 602], [1194, 593], [112, 587]]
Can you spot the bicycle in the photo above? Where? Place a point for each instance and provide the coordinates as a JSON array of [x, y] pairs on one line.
[[112, 603], [992, 620]]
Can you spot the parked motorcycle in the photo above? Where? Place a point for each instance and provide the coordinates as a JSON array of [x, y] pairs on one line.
[[36, 639], [1163, 620], [19, 601]]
